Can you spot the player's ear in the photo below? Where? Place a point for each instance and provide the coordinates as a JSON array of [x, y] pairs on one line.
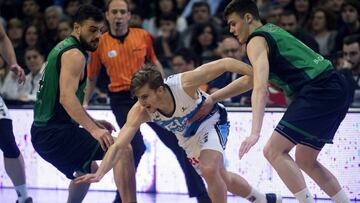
[[77, 28], [248, 18]]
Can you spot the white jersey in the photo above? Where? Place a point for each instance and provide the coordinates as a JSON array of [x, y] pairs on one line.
[[206, 134], [185, 107]]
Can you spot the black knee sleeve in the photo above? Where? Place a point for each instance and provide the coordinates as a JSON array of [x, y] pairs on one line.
[[7, 139]]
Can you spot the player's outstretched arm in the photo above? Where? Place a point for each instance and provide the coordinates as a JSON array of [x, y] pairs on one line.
[[136, 116], [257, 51], [205, 73]]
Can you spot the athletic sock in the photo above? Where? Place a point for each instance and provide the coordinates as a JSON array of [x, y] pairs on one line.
[[256, 197], [21, 191], [340, 197], [304, 196]]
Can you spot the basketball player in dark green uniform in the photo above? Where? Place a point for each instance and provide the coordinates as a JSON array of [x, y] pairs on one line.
[[320, 98], [58, 112]]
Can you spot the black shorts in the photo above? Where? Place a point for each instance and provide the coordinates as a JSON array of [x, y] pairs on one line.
[[68, 147], [317, 111]]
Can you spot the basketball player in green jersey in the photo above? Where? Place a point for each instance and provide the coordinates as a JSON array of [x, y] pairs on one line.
[[320, 98], [56, 135]]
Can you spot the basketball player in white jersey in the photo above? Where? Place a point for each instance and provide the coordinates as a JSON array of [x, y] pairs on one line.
[[171, 104]]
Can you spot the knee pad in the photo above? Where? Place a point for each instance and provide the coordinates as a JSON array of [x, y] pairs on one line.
[[7, 139]]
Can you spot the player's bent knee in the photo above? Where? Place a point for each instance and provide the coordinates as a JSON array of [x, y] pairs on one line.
[[208, 170]]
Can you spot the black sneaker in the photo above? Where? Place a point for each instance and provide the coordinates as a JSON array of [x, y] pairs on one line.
[[28, 200], [273, 198], [203, 199], [117, 198]]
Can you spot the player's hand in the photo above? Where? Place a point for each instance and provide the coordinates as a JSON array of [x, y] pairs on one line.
[[19, 72], [204, 110], [247, 144], [104, 124], [89, 178], [103, 136]]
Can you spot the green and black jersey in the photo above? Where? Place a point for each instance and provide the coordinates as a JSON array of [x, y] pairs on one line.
[[48, 109], [291, 63]]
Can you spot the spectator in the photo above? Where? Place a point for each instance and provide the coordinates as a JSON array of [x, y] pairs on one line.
[[15, 31], [200, 14], [71, 6], [230, 47], [32, 15], [322, 27], [64, 29], [350, 13], [137, 18], [302, 10], [169, 39], [204, 42], [183, 60], [53, 14], [34, 61], [274, 14], [165, 7], [288, 22], [351, 61]]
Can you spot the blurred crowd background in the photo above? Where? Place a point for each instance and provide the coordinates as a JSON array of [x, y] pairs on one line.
[[186, 34]]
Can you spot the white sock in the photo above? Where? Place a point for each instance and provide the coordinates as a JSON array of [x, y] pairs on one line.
[[21, 191], [304, 196], [256, 197], [341, 197]]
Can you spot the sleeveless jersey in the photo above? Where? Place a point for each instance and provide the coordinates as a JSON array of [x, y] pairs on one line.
[[291, 63], [48, 109], [185, 107]]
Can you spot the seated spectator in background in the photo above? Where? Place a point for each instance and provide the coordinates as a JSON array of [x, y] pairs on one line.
[[64, 29], [32, 39], [274, 14], [71, 7], [137, 18], [204, 43], [288, 22], [200, 14], [302, 10], [165, 7], [350, 13], [32, 14], [334, 7], [53, 14], [351, 64], [183, 60], [34, 61], [230, 47], [322, 28], [169, 39], [15, 31]]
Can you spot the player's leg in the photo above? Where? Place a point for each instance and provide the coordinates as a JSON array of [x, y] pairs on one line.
[[77, 192], [13, 160], [124, 175], [239, 186], [194, 182], [210, 164], [121, 104], [306, 158], [276, 151]]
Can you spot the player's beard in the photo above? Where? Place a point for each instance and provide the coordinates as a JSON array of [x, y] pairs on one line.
[[87, 45]]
